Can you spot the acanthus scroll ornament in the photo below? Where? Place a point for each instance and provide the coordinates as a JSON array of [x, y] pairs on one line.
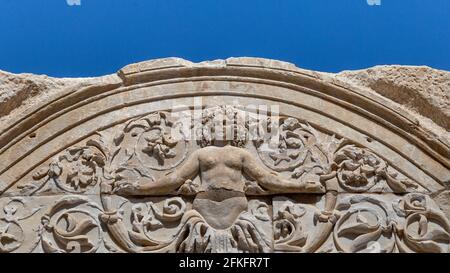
[[151, 141], [69, 226], [425, 229], [76, 170], [12, 236], [360, 170], [288, 230], [364, 220], [207, 192]]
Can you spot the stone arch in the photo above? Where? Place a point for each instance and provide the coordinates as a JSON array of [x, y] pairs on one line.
[[401, 161]]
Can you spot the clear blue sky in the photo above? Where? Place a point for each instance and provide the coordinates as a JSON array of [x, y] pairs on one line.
[[100, 36]]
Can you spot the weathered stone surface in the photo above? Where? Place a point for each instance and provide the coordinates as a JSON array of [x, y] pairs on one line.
[[236, 155], [21, 91], [443, 200], [420, 89]]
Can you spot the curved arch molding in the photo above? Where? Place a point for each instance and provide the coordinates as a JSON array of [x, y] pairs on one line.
[[99, 168]]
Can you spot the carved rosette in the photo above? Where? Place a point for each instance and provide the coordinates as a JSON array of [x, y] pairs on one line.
[[358, 219], [77, 170]]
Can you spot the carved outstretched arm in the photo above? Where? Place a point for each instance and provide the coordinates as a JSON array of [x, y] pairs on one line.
[[273, 182], [165, 184]]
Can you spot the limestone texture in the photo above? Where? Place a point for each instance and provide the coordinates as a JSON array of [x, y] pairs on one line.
[[243, 155]]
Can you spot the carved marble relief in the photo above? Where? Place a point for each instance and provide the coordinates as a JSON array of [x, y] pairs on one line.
[[173, 182]]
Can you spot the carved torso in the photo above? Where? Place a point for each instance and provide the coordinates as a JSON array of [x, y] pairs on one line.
[[133, 165], [221, 169]]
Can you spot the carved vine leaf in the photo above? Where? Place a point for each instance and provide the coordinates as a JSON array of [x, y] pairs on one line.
[[190, 187], [365, 225], [143, 144], [76, 170], [286, 148], [301, 150], [425, 229], [79, 169], [413, 224], [310, 155], [12, 235], [360, 170], [224, 122], [69, 226], [364, 231], [8, 241], [73, 234], [152, 140], [147, 217], [288, 230]]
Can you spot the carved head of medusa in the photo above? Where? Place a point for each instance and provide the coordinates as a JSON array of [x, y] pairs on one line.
[[222, 125]]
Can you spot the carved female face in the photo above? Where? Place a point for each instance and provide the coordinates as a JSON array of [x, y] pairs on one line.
[[233, 134]]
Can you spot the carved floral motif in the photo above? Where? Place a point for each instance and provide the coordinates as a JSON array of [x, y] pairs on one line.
[[410, 225], [192, 232], [70, 228], [12, 234], [76, 170], [426, 229], [288, 230], [300, 159], [364, 220], [359, 170]]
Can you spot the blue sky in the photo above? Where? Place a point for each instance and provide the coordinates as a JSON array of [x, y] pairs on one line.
[[100, 36]]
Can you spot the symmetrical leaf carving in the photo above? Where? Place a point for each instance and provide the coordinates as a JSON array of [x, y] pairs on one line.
[[351, 217], [69, 226]]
